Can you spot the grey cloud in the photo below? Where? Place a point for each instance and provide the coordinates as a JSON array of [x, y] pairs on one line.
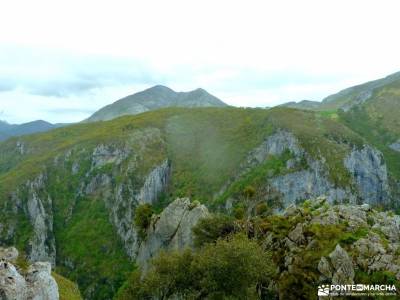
[[61, 74], [70, 111]]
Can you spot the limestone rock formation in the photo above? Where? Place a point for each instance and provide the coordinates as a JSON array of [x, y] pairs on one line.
[[172, 229], [358, 238], [369, 171], [34, 284], [366, 167]]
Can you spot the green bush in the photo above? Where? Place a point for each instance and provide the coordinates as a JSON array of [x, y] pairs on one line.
[[239, 212], [209, 230], [142, 218], [261, 209], [235, 268]]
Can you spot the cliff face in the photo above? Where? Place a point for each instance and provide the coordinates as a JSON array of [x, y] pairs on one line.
[[369, 172], [35, 204], [36, 283], [305, 177]]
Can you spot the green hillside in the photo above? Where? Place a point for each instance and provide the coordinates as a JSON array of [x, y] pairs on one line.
[[357, 94], [205, 146], [377, 120]]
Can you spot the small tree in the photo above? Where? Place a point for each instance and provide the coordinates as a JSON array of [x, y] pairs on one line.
[[142, 218]]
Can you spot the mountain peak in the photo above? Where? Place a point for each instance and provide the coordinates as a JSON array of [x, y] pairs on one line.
[[153, 98], [159, 87]]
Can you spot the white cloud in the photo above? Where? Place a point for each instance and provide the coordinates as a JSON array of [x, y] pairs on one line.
[[235, 49]]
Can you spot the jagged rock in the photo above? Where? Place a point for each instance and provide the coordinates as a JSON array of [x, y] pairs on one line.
[[369, 171], [325, 268], [39, 209], [108, 154], [389, 225], [75, 168], [343, 266], [326, 218], [276, 144], [368, 249], [12, 284], [291, 210], [395, 146], [41, 285], [122, 204], [98, 182], [292, 246], [296, 235], [38, 284], [171, 230], [354, 217], [20, 147], [8, 254], [123, 200]]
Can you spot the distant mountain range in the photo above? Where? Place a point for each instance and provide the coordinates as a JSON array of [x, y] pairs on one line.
[[349, 97], [150, 99], [8, 130], [154, 98], [159, 96], [304, 104]]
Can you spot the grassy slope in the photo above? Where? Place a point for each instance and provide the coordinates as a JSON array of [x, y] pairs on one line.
[[206, 147], [378, 122], [66, 288]]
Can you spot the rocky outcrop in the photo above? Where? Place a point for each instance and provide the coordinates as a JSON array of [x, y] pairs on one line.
[[395, 146], [361, 239], [275, 144], [339, 268], [40, 211], [296, 184], [107, 154], [36, 284], [172, 229], [124, 199], [306, 177], [310, 183], [369, 172], [33, 201]]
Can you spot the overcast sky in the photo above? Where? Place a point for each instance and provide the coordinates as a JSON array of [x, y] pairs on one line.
[[62, 60]]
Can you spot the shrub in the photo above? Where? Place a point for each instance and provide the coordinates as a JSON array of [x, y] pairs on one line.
[[142, 218], [261, 209], [239, 212], [234, 268], [209, 230]]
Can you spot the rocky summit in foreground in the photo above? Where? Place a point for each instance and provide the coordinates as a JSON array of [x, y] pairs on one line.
[[337, 244], [261, 256], [21, 281], [35, 282]]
